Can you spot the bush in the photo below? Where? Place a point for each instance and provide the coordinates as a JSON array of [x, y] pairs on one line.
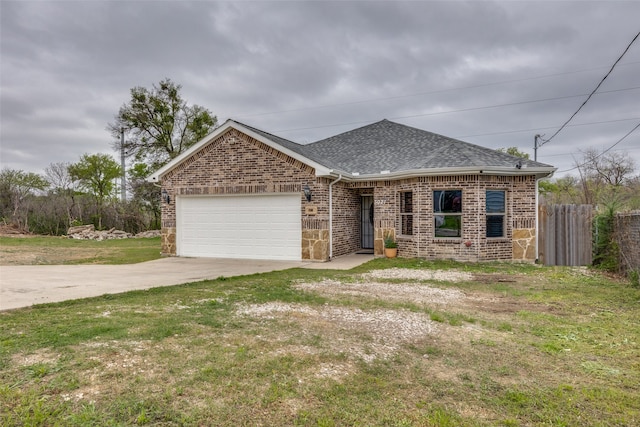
[[606, 251], [634, 277]]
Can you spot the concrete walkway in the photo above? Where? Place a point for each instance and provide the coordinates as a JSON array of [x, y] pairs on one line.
[[25, 285]]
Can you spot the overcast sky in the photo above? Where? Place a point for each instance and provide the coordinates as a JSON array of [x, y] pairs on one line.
[[490, 73]]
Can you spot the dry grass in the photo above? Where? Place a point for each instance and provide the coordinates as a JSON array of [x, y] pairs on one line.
[[420, 344], [52, 250]]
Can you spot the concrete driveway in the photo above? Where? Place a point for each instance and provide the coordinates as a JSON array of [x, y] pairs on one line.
[[25, 285]]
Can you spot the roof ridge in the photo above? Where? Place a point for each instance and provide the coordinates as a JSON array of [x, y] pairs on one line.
[[265, 132]]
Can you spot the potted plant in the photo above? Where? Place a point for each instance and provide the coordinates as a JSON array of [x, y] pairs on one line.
[[390, 247]]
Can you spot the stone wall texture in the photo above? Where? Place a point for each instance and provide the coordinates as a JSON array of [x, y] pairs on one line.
[[627, 235], [235, 163]]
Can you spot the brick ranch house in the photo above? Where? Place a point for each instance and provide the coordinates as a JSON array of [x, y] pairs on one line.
[[244, 193]]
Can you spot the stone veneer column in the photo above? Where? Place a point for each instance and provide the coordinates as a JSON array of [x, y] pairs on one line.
[[524, 244], [315, 245], [168, 241]]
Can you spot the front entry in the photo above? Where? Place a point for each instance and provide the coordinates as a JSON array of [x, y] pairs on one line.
[[366, 222]]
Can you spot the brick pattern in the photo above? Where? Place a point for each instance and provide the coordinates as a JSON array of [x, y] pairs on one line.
[[473, 245], [237, 164], [346, 220]]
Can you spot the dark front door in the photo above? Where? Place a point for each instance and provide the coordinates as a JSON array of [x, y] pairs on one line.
[[366, 221]]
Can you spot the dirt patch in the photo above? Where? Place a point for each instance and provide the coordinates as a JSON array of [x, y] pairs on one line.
[[30, 255], [495, 278], [13, 231], [41, 356]]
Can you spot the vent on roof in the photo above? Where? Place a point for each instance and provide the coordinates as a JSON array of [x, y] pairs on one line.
[[355, 173], [385, 172]]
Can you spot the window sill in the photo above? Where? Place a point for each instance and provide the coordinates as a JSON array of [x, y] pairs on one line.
[[446, 239]]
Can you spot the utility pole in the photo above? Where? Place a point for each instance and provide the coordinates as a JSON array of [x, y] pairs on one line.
[[536, 146], [123, 189]]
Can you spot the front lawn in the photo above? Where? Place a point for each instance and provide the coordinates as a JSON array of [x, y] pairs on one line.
[[62, 250], [391, 343]]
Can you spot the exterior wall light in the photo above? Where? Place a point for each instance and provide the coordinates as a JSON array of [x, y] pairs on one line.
[[307, 192], [165, 196]]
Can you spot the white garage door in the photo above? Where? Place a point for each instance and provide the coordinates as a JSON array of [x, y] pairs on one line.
[[249, 227]]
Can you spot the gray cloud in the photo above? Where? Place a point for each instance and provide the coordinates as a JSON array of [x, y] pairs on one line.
[[67, 66]]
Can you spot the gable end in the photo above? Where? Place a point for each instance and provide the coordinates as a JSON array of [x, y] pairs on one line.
[[233, 136]]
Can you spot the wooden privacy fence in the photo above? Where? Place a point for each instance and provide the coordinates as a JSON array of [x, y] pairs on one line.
[[565, 234]]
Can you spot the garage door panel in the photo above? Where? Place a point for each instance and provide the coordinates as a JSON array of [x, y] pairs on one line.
[[247, 227]]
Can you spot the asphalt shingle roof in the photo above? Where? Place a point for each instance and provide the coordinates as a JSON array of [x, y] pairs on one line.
[[393, 147], [293, 146]]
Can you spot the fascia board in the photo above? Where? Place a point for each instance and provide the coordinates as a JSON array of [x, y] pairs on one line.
[[321, 170], [505, 171], [155, 177]]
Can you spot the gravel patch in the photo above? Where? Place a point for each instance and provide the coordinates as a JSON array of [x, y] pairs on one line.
[[398, 292], [368, 334], [410, 274], [387, 329]]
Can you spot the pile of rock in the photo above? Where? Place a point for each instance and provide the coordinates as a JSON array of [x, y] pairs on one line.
[[149, 233], [89, 232]]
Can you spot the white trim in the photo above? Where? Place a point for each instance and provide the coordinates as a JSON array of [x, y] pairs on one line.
[[231, 124], [475, 170]]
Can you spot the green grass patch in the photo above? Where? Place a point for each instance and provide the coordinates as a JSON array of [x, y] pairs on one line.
[[255, 350]]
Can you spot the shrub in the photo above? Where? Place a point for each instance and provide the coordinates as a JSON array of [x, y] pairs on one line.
[[606, 251]]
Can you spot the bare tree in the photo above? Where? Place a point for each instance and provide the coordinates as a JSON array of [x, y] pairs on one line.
[[605, 177], [613, 168], [16, 187], [63, 186], [59, 178]]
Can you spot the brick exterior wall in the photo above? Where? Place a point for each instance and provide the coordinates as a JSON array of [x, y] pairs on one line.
[[235, 163], [518, 242]]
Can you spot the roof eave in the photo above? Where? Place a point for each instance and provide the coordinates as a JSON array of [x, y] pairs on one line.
[[414, 173], [156, 176]]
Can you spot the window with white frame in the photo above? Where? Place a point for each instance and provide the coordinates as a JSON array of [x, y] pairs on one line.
[[447, 213], [496, 213], [406, 213]]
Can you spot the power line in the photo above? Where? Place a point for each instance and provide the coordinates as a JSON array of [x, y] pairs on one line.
[[388, 98], [544, 141], [572, 153], [458, 110], [548, 127], [605, 151]]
